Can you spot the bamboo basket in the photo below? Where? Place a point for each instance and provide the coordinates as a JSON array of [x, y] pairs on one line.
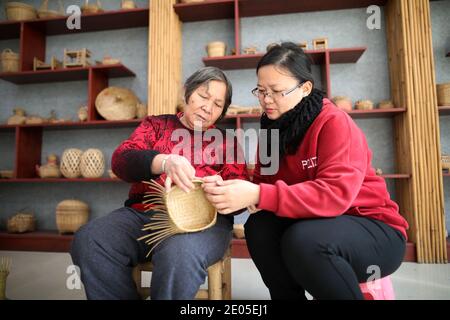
[[21, 223], [238, 231], [44, 12], [343, 102], [386, 104], [17, 11], [443, 94], [115, 103], [364, 105], [10, 61], [71, 215], [6, 174], [216, 49], [89, 8], [445, 159], [176, 212]]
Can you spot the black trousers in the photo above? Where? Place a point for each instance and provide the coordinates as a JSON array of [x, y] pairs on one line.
[[328, 257]]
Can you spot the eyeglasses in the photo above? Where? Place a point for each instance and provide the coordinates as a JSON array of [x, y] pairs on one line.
[[277, 95]]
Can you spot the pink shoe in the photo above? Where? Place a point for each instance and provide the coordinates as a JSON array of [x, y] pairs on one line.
[[380, 289]]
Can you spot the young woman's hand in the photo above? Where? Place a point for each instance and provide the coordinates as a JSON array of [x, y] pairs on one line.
[[231, 195], [179, 171]]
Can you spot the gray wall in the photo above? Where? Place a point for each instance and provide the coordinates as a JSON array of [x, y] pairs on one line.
[[367, 79]]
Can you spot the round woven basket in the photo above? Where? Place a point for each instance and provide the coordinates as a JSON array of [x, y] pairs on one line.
[[364, 105], [443, 94], [43, 11], [10, 61], [21, 223], [92, 163], [386, 104], [216, 49], [17, 11], [116, 103], [343, 102], [89, 8], [177, 212], [71, 215], [70, 163]]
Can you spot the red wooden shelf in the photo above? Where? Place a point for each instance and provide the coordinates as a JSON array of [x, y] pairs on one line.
[[66, 74], [224, 9], [250, 61], [444, 110], [108, 20], [446, 174], [39, 180], [376, 113], [396, 176], [448, 54]]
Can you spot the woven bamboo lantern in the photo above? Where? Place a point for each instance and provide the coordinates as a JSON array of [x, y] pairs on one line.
[[71, 215], [177, 212], [70, 163], [92, 163]]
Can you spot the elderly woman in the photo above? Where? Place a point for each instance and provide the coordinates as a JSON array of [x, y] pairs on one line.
[[106, 249], [326, 220]]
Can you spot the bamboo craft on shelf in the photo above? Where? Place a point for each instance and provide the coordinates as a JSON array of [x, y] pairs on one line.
[[418, 151], [41, 65], [164, 57], [76, 58]]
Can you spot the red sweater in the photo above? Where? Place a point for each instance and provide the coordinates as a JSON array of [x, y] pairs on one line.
[[131, 161], [330, 175]]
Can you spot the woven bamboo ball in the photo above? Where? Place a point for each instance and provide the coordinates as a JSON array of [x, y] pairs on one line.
[[92, 163], [70, 163], [71, 215]]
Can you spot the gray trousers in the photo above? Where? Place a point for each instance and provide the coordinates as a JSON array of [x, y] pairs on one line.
[[106, 250]]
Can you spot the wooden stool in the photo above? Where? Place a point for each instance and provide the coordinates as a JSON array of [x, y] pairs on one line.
[[219, 280]]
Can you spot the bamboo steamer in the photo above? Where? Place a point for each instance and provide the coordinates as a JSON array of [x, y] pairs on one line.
[[18, 11], [443, 94], [216, 49], [21, 223], [343, 102], [10, 61], [92, 163], [116, 103], [70, 163], [71, 215]]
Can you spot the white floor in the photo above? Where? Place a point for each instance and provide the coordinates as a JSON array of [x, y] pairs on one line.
[[44, 276]]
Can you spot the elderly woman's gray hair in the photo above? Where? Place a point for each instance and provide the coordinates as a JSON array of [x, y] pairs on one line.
[[202, 77]]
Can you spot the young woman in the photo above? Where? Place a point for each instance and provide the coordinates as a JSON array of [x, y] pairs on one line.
[[326, 221], [106, 249]]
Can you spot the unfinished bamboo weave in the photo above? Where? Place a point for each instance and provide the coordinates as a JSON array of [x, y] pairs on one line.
[[176, 212]]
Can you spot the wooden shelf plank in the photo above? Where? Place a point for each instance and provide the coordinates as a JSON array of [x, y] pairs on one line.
[[65, 74], [74, 125], [250, 61], [444, 110], [9, 30], [207, 10], [376, 113], [396, 176], [223, 9], [60, 180], [446, 174]]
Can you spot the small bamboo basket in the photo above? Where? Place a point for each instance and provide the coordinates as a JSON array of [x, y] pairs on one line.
[[364, 105], [10, 61], [21, 223], [443, 94], [216, 49], [445, 159], [176, 212], [343, 102], [18, 11], [71, 215], [386, 104], [89, 8], [44, 12]]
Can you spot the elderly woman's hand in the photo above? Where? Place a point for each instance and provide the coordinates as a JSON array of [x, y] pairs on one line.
[[180, 171], [231, 195]]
